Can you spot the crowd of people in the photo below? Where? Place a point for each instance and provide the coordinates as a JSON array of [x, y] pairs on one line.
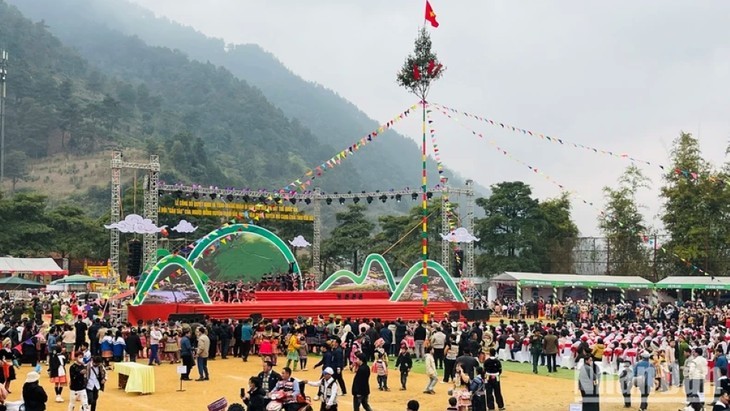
[[239, 291], [651, 347]]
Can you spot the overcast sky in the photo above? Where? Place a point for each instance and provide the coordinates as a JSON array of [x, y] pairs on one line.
[[624, 76]]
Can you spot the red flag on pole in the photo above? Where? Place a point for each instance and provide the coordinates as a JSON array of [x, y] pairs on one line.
[[430, 15]]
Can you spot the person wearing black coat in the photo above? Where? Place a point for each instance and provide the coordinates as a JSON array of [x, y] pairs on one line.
[[255, 398], [268, 377], [467, 363], [327, 358], [400, 331], [34, 396], [338, 364], [133, 345], [361, 384], [404, 363], [214, 335], [237, 342], [94, 339], [226, 334]]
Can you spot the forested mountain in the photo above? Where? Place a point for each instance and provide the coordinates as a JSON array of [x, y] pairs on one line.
[[96, 33], [208, 126]]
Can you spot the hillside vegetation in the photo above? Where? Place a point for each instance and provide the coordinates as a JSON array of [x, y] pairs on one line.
[[98, 33]]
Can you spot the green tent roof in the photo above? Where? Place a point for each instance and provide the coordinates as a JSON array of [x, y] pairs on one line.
[[573, 280], [692, 282]]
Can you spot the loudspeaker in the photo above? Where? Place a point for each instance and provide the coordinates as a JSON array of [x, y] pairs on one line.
[[187, 318], [458, 263], [134, 258]]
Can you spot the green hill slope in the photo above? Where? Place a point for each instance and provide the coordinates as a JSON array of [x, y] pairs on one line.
[[391, 163], [208, 126]]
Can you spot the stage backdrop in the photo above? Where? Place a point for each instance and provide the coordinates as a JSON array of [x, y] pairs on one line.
[[245, 257]]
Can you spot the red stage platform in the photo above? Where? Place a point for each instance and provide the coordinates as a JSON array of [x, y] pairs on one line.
[[302, 303]]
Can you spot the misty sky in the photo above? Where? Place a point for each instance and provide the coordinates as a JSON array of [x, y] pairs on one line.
[[624, 76]]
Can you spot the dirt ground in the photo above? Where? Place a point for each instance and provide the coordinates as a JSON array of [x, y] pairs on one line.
[[522, 391]]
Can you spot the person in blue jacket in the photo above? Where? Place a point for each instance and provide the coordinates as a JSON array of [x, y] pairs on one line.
[[246, 339]]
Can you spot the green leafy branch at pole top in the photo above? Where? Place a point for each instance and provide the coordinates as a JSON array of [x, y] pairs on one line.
[[420, 68], [417, 74]]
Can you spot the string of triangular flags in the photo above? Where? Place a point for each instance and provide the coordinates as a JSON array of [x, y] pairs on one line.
[[451, 217], [517, 160], [689, 174], [534, 169], [305, 181], [651, 242], [440, 167]]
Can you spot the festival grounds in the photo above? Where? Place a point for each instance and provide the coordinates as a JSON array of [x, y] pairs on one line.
[[522, 390]]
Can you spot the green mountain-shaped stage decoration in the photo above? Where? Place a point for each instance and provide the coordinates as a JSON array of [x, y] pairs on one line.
[[398, 290], [166, 261]]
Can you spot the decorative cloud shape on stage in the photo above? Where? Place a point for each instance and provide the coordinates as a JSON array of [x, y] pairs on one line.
[[134, 223], [299, 242], [184, 226], [460, 235]]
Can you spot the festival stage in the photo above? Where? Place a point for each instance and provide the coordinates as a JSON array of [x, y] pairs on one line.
[[282, 304]]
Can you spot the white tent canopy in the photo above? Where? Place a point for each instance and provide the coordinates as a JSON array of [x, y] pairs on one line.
[[38, 266]]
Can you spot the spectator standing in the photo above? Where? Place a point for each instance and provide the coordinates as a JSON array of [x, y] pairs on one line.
[[361, 385], [327, 390], [155, 337], [77, 383], [588, 383], [535, 349], [186, 353], [96, 375], [404, 363], [550, 348], [419, 337], [430, 371], [246, 339], [80, 329], [133, 345], [451, 352], [202, 352], [34, 396], [493, 386], [438, 342]]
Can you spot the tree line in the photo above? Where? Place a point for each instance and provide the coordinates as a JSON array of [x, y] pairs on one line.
[[522, 233]]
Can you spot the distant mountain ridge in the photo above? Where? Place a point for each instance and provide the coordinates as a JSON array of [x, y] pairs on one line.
[[392, 163], [114, 91]]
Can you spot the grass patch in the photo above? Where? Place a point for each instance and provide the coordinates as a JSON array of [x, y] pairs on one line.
[[516, 367]]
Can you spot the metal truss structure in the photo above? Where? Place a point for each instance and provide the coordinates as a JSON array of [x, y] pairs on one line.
[[150, 210], [316, 197]]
